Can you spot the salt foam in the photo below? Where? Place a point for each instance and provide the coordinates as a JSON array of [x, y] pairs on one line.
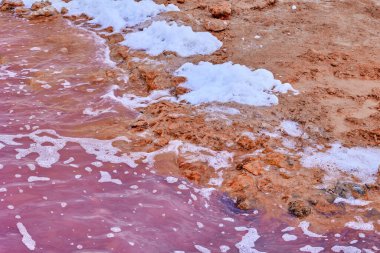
[[117, 13], [230, 82], [161, 36], [361, 162]]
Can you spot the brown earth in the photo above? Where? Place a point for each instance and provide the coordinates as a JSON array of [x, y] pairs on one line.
[[328, 50]]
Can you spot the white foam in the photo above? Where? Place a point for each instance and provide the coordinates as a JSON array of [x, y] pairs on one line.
[[230, 82], [288, 237], [47, 144], [5, 74], [292, 128], [116, 229], [304, 225], [287, 229], [202, 249], [117, 13], [97, 164], [31, 166], [345, 249], [35, 49], [224, 248], [363, 163], [110, 235], [189, 152], [161, 36], [311, 249], [215, 159], [49, 155], [26, 237], [171, 180], [205, 192], [352, 201], [359, 224], [92, 112], [69, 160], [132, 101], [105, 177], [35, 179], [247, 243]]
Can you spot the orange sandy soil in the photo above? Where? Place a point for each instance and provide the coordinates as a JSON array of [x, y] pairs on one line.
[[328, 50]]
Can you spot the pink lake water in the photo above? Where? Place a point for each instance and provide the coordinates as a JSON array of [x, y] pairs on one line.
[[62, 193]]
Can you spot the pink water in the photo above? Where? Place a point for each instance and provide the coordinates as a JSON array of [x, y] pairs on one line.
[[73, 211]]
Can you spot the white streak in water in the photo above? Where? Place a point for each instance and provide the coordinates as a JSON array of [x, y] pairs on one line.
[[26, 237], [304, 225]]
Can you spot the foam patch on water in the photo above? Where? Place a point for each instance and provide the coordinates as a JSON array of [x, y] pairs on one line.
[[190, 152], [133, 102], [202, 249], [105, 177], [26, 237], [91, 112], [247, 243], [304, 225], [352, 201], [161, 36], [230, 82], [311, 249], [47, 144], [288, 237], [362, 163], [5, 73], [359, 224], [345, 249], [118, 13], [35, 179], [171, 180]]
